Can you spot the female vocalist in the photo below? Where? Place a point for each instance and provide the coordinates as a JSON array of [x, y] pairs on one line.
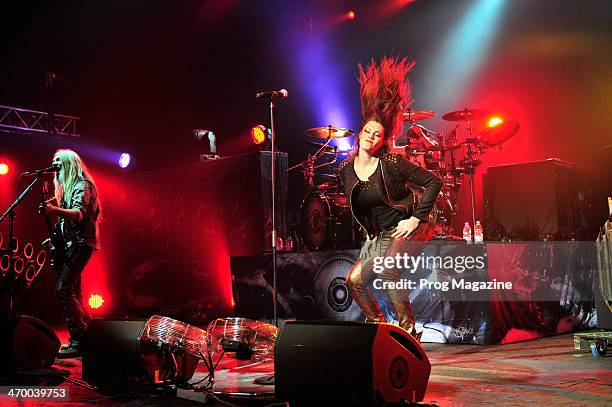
[[78, 216], [376, 184]]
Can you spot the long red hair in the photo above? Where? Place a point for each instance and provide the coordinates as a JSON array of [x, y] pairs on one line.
[[385, 92]]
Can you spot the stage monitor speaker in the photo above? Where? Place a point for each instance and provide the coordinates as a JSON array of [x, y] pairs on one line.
[[348, 364], [111, 350], [114, 353], [535, 199], [27, 343]]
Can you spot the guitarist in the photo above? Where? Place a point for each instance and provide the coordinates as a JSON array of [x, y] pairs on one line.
[[78, 216]]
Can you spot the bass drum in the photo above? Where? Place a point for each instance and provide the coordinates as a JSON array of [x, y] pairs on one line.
[[326, 222]]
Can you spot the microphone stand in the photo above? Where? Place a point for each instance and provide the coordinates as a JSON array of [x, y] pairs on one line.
[[273, 178], [270, 379], [10, 212], [272, 95]]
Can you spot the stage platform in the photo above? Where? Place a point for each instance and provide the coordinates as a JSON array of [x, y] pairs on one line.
[[543, 372], [551, 289]]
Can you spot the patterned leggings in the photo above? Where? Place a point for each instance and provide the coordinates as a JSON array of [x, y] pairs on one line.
[[362, 273]]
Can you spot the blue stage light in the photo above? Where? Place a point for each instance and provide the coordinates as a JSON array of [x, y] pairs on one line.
[[462, 54]]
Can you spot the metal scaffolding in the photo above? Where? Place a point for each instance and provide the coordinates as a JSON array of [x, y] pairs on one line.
[[18, 120]]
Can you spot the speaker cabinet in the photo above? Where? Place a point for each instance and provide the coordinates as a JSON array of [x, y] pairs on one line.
[[533, 200], [348, 364], [113, 353], [111, 350], [239, 188], [27, 343]]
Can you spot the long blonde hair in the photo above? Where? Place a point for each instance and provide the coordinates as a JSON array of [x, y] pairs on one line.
[[72, 171]]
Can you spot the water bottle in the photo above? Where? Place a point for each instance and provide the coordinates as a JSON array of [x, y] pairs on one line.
[[478, 234], [467, 233], [289, 244], [279, 244]]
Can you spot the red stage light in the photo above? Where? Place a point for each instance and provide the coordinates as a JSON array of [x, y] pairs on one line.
[[4, 168], [351, 15], [494, 121], [258, 134], [95, 301]]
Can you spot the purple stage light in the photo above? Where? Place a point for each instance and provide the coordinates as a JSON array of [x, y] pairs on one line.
[[124, 160], [344, 144], [321, 76]]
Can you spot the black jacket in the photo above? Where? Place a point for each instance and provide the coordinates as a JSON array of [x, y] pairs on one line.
[[397, 174], [83, 232]]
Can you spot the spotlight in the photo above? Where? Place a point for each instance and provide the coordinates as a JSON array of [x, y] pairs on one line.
[[494, 121], [124, 160], [95, 301], [350, 15], [4, 168], [259, 134], [202, 136]]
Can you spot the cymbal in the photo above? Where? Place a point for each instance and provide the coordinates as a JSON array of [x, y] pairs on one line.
[[466, 114], [329, 131], [496, 135], [414, 115]]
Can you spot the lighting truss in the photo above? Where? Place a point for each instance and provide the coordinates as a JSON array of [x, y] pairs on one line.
[[14, 119]]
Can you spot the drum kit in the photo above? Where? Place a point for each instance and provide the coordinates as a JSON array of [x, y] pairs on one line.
[[325, 215]]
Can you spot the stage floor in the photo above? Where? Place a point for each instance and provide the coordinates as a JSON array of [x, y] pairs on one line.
[[544, 372]]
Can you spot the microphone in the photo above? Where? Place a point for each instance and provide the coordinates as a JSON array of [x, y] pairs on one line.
[[273, 94], [52, 168]]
